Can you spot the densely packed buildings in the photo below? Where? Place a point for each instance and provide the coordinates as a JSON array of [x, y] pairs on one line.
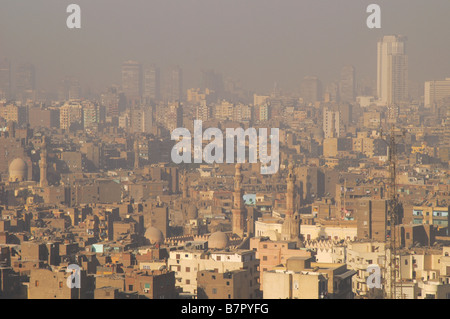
[[90, 182]]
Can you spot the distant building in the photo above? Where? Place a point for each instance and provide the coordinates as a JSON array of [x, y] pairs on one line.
[[436, 91], [392, 70], [132, 81], [311, 89], [347, 84]]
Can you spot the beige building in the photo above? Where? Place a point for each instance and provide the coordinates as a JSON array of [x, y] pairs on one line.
[[187, 263], [300, 278], [436, 91], [285, 284]]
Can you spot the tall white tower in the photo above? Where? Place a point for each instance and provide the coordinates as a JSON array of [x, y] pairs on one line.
[[392, 70]]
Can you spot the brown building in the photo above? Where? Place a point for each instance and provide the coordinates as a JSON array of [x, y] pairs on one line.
[[47, 284], [372, 218], [236, 284], [156, 284]]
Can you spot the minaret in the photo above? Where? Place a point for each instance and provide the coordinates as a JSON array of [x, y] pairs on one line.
[[136, 154], [185, 186], [238, 203], [290, 228], [290, 180], [43, 163]]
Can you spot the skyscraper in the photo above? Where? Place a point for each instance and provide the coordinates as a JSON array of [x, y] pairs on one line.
[[347, 84], [392, 70], [151, 91], [70, 89], [5, 79], [213, 81], [25, 78], [175, 84], [311, 89], [132, 81]]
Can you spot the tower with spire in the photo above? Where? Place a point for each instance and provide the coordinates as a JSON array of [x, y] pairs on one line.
[[185, 186], [238, 210], [290, 228], [136, 154], [43, 163]]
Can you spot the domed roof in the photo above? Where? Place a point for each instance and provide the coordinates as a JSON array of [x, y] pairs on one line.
[[218, 240], [18, 164], [18, 170], [154, 235]]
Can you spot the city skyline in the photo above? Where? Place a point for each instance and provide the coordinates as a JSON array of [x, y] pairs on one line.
[[212, 149], [236, 49]]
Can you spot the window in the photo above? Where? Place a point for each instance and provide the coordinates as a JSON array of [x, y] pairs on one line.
[[188, 269], [407, 235], [214, 291], [178, 256], [228, 283], [130, 287], [214, 277], [406, 261], [60, 284], [188, 282], [36, 283], [264, 258], [218, 258]]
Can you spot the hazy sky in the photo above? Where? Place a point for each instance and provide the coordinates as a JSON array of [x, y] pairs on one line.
[[256, 41]]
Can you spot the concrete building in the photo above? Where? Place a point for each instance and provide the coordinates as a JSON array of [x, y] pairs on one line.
[[392, 70], [187, 263], [436, 91], [236, 284]]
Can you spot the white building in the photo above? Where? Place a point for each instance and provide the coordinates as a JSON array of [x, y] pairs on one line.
[[392, 70]]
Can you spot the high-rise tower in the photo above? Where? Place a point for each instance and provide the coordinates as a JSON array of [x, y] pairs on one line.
[[5, 79], [132, 81], [174, 85], [392, 70], [347, 84], [151, 84]]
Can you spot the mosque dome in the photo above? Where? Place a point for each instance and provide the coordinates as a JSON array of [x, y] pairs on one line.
[[218, 240], [18, 170], [154, 235]]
